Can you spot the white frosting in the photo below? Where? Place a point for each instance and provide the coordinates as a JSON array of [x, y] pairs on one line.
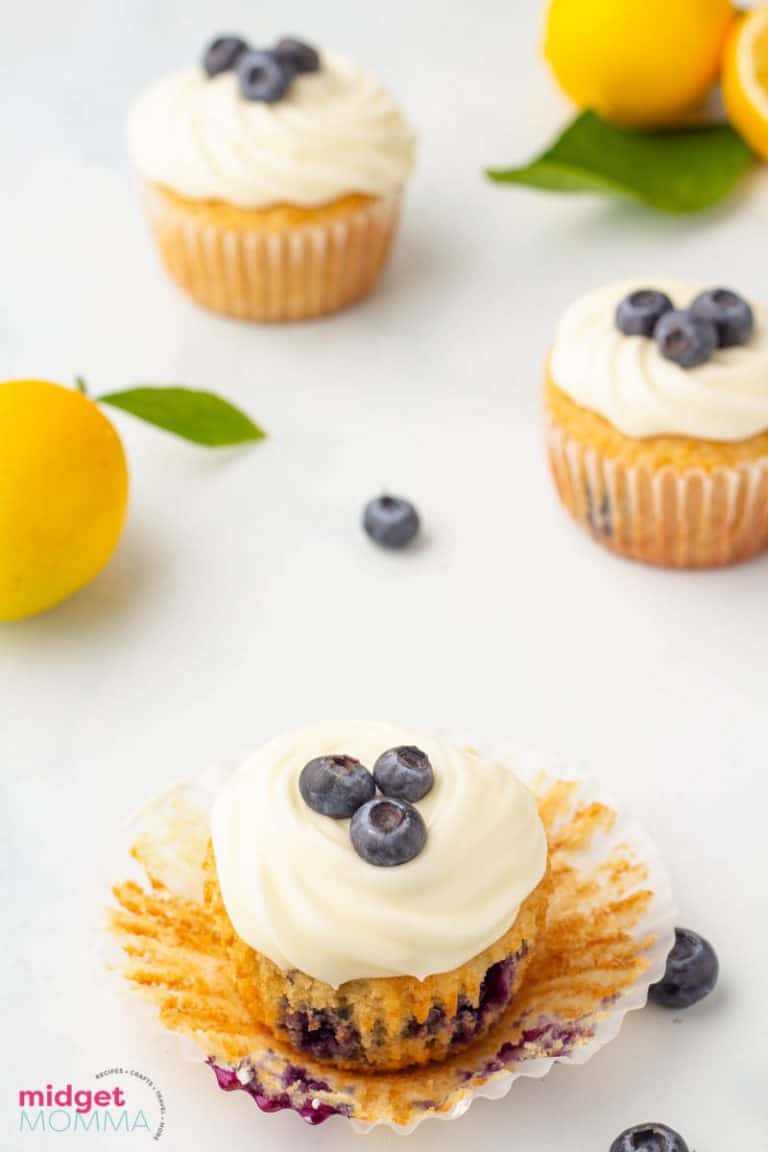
[[296, 890], [334, 133], [628, 381]]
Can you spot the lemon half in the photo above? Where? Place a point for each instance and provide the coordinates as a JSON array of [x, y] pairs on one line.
[[745, 78]]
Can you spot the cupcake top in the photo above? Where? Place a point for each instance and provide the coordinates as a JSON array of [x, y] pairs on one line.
[[298, 889], [254, 136], [666, 358]]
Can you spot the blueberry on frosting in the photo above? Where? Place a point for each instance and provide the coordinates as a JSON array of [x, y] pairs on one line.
[[730, 313], [716, 318], [404, 773], [649, 1138], [387, 832], [263, 76], [639, 313], [335, 785], [691, 972], [685, 339], [297, 55], [222, 54]]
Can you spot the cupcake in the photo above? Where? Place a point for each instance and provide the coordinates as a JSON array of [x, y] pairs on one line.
[[309, 954], [379, 894], [272, 179], [656, 403]]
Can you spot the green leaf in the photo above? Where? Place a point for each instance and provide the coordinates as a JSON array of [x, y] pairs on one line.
[[198, 416], [676, 170]]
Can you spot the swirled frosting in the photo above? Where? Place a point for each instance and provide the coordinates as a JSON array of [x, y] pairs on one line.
[[626, 379], [296, 890], [336, 132]]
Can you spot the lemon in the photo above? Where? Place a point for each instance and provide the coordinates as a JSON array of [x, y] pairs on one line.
[[745, 78], [637, 62], [63, 494]]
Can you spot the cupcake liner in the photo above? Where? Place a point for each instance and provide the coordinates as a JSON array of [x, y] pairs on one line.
[[609, 931], [677, 519], [294, 274]]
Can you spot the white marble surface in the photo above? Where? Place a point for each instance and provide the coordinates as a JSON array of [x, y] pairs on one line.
[[244, 597]]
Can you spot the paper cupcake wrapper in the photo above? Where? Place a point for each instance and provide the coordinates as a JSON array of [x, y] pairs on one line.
[[610, 929], [309, 270], [688, 519]]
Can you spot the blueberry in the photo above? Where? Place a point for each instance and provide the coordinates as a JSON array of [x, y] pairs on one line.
[[685, 339], [691, 972], [731, 315], [299, 57], [404, 772], [222, 54], [639, 313], [262, 76], [386, 832], [391, 521], [335, 785], [649, 1138]]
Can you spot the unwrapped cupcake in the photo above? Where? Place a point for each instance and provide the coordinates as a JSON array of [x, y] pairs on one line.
[[273, 179], [367, 922], [380, 900], [656, 402]]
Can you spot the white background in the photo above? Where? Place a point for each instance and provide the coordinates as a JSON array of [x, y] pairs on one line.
[[244, 598]]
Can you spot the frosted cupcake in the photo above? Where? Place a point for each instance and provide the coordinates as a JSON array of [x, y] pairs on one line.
[[656, 402], [379, 894], [273, 179], [468, 880]]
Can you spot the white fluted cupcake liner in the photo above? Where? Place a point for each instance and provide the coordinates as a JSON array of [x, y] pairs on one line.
[[678, 519], [294, 273], [612, 916]]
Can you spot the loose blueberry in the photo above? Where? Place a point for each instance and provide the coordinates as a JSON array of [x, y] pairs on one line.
[[691, 972], [300, 57], [731, 315], [685, 339], [387, 832], [639, 313], [404, 772], [222, 54], [391, 521], [649, 1138], [335, 785], [262, 76]]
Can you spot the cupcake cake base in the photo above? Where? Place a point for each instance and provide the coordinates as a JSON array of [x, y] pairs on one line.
[[669, 501], [609, 929], [273, 264], [382, 1024]]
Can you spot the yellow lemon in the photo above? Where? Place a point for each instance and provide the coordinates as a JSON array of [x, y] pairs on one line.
[[63, 494], [637, 62], [745, 78]]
